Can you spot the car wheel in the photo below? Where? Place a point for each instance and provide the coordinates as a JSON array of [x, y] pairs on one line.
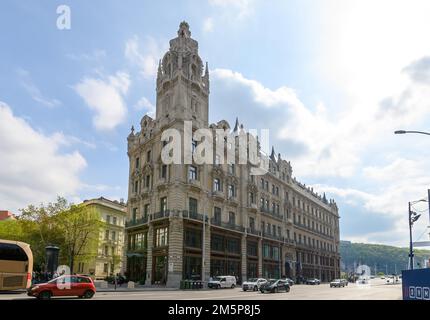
[[262, 291], [88, 294], [287, 289], [45, 295], [218, 286], [233, 286], [255, 288]]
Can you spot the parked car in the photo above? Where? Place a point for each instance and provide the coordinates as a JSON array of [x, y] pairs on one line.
[[275, 286], [253, 284], [344, 281], [337, 283], [64, 286], [313, 281], [290, 281], [222, 282]]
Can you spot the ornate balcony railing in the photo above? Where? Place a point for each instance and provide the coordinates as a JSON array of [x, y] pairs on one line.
[[136, 222], [253, 231], [192, 215], [227, 225], [271, 213], [272, 236], [320, 234]]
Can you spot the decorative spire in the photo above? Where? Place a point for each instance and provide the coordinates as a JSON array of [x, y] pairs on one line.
[[272, 155], [131, 135], [184, 30], [324, 198], [236, 126], [279, 157]]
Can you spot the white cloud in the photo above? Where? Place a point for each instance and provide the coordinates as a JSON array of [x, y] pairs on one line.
[[335, 142], [105, 98], [69, 140], [394, 185], [35, 93], [32, 167], [241, 8], [208, 24], [145, 55], [227, 11], [95, 55], [145, 104]]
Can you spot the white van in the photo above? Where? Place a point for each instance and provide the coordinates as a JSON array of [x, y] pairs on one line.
[[222, 282]]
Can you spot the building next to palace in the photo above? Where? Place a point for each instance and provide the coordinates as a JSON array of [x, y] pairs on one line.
[[110, 245], [189, 221]]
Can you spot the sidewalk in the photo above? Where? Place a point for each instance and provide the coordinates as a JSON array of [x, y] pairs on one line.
[[138, 288]]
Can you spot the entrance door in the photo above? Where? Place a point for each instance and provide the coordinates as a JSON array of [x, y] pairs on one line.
[[159, 275]]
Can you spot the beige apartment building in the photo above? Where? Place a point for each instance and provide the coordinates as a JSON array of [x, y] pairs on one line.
[[190, 221], [110, 247]]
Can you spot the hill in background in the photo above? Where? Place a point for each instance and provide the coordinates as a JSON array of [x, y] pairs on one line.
[[386, 259]]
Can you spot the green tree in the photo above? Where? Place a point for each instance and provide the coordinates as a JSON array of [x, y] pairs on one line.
[[11, 230], [80, 227], [40, 228]]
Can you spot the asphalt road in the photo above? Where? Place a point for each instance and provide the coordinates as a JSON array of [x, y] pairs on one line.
[[376, 290]]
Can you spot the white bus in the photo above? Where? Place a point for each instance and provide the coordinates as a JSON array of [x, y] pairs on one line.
[[16, 265]]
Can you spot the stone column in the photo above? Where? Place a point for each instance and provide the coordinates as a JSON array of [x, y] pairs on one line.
[[150, 243], [244, 256], [260, 258], [282, 257], [207, 267], [175, 252]]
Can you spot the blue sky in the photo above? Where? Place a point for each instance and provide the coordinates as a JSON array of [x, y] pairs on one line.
[[332, 80]]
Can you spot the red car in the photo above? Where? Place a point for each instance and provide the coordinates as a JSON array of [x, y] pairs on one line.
[[64, 286]]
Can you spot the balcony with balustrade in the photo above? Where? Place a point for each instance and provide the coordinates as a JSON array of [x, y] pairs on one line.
[[227, 225]]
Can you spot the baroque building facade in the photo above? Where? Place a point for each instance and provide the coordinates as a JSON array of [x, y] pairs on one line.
[[110, 245], [194, 221]]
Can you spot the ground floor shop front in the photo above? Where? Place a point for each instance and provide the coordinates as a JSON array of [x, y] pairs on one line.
[[168, 251]]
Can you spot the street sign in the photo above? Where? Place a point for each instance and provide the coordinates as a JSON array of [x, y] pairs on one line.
[[416, 284], [422, 244]]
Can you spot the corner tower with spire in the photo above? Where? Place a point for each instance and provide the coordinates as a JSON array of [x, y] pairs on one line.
[[182, 84]]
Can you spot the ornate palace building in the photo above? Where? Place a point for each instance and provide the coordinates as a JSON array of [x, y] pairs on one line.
[[190, 221]]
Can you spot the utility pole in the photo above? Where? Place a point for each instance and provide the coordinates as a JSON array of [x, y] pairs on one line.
[[411, 252], [428, 195]]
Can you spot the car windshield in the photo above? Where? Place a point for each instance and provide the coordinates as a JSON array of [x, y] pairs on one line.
[[253, 280], [217, 278], [272, 281], [336, 280]]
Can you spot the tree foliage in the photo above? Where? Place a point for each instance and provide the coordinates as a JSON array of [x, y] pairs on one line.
[[73, 228]]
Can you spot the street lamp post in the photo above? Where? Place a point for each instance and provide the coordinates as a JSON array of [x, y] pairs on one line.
[[413, 217], [411, 250], [405, 132]]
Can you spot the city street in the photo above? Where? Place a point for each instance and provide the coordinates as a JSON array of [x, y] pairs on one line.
[[377, 290]]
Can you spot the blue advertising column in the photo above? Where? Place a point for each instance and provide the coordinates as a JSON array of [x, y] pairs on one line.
[[416, 284]]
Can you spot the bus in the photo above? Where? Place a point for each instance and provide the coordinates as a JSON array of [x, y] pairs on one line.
[[16, 265]]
